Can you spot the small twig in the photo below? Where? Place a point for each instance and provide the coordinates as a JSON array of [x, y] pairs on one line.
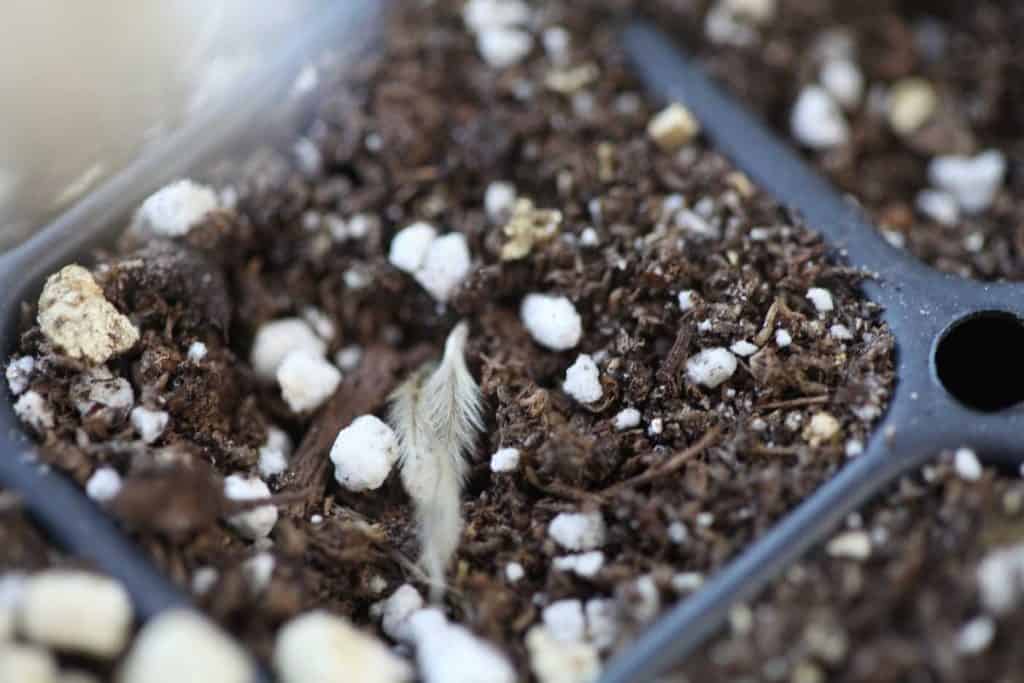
[[673, 464], [794, 403], [761, 449], [559, 490]]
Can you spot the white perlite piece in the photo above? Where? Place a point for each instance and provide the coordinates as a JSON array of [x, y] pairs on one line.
[[555, 661], [687, 299], [840, 332], [79, 321], [711, 367], [276, 339], [446, 265], [439, 264], [175, 209], [103, 485], [673, 127], [589, 237], [756, 11], [817, 121], [821, 298], [19, 373], [317, 647], [687, 582], [481, 14], [564, 620], [157, 653], [499, 198], [255, 523], [586, 565], [32, 409], [149, 424], [308, 158], [196, 351], [556, 41], [851, 545], [397, 609], [1000, 578], [939, 205], [627, 418], [976, 635], [364, 453], [967, 465], [502, 47], [26, 664], [552, 321], [843, 80], [204, 579], [449, 653], [505, 460], [77, 612], [912, 101], [783, 338], [258, 570], [306, 380], [743, 348], [578, 530], [98, 390], [275, 452], [582, 380], [348, 358], [974, 181], [410, 245], [514, 572]]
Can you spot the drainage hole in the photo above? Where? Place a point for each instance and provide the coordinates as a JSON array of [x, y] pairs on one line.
[[980, 361]]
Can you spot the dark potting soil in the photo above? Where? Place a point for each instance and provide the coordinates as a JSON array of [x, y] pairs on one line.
[[966, 52], [905, 612], [418, 134]]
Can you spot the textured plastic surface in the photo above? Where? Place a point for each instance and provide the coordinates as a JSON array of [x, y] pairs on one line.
[[921, 305], [73, 520]]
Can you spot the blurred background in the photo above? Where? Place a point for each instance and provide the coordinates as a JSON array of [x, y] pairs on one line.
[[86, 87]]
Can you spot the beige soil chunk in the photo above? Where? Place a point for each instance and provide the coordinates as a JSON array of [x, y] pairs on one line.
[[76, 318]]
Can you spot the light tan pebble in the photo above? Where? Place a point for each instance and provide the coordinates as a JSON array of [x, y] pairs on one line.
[[317, 646], [75, 611], [673, 127], [527, 227], [77, 319], [556, 661], [822, 428], [851, 545], [157, 655], [807, 672], [912, 101], [26, 664]]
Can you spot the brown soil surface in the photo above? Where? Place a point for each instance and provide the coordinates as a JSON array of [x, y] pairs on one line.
[[418, 134]]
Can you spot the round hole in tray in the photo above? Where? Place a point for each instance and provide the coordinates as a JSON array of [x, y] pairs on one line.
[[980, 361]]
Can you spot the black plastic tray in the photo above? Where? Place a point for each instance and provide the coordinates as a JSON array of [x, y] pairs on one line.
[[921, 307], [252, 110], [940, 322]]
